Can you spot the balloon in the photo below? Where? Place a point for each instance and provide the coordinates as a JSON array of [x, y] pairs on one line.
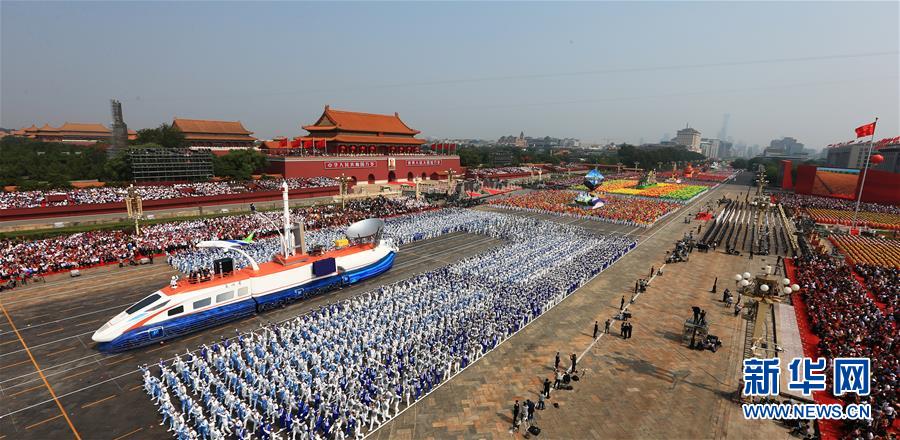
[[747, 275], [787, 290], [738, 277], [786, 281], [877, 159], [764, 287], [745, 283], [795, 287]]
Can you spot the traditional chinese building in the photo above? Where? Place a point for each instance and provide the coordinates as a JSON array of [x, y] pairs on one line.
[[73, 132], [364, 133], [364, 147], [215, 135]]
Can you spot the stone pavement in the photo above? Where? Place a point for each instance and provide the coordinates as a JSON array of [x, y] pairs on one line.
[[650, 386]]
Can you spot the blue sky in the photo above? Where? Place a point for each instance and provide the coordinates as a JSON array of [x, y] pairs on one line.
[[596, 71]]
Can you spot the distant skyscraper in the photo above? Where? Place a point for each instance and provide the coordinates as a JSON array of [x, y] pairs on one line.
[[119, 130], [723, 133]]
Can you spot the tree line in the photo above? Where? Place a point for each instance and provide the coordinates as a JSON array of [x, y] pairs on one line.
[[30, 164]]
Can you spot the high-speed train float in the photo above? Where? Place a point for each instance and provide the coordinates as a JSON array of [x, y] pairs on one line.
[[188, 306]]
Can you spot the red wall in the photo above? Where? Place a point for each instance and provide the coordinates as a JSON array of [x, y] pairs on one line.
[[361, 167], [150, 205], [881, 186], [806, 176], [786, 178]]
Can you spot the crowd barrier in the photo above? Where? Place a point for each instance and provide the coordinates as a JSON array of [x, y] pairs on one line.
[[150, 205]]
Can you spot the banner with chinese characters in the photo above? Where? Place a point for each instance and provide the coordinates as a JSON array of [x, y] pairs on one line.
[[347, 164]]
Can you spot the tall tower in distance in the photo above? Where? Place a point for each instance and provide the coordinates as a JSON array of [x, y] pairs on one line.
[[723, 133], [119, 138]]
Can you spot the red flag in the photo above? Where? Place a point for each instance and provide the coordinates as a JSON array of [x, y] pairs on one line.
[[295, 142], [865, 130], [282, 142], [320, 143]]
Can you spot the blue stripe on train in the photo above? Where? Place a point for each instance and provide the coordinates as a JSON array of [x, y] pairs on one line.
[[219, 315]]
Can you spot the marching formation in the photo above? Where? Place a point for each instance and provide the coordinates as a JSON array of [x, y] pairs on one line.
[[346, 368]]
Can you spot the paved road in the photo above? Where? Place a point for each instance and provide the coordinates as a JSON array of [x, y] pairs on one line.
[[56, 321]]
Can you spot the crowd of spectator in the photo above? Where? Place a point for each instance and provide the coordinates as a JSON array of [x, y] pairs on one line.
[[21, 259], [622, 210], [489, 173], [850, 324], [884, 283], [113, 194], [796, 201]]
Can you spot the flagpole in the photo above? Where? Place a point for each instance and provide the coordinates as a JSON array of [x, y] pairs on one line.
[[865, 171]]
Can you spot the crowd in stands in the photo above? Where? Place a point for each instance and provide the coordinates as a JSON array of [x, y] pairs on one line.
[[796, 201], [884, 283], [21, 259], [346, 368], [622, 210], [868, 250], [850, 324], [109, 194], [489, 173]]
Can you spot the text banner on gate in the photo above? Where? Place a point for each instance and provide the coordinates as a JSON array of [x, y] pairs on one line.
[[423, 163], [350, 164]]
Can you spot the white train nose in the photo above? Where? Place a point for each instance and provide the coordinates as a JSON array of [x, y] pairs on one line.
[[104, 334]]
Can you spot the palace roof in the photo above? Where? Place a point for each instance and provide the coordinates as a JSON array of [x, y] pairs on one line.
[[213, 130], [361, 122]]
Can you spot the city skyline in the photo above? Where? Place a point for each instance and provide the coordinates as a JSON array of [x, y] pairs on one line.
[[275, 67]]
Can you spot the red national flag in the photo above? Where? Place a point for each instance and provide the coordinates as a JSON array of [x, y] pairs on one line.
[[320, 143], [295, 142], [865, 130], [283, 142]]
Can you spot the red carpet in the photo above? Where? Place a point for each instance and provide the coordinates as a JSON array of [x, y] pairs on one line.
[[704, 216]]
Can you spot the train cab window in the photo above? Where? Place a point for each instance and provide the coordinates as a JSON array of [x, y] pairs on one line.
[[244, 291], [202, 303], [225, 296], [158, 306], [142, 303], [176, 310]]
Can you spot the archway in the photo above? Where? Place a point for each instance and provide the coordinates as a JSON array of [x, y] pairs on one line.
[[352, 180], [434, 176], [424, 176], [371, 178], [409, 176], [392, 176]]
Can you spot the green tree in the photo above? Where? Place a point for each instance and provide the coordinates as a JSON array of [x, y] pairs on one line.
[[239, 164], [166, 136]]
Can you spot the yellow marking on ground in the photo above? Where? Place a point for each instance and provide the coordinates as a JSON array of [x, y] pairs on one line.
[[134, 387], [51, 331], [44, 421], [26, 390], [76, 374], [120, 360], [41, 373], [157, 348], [88, 322], [13, 365], [8, 342], [127, 434], [88, 405], [61, 351]]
